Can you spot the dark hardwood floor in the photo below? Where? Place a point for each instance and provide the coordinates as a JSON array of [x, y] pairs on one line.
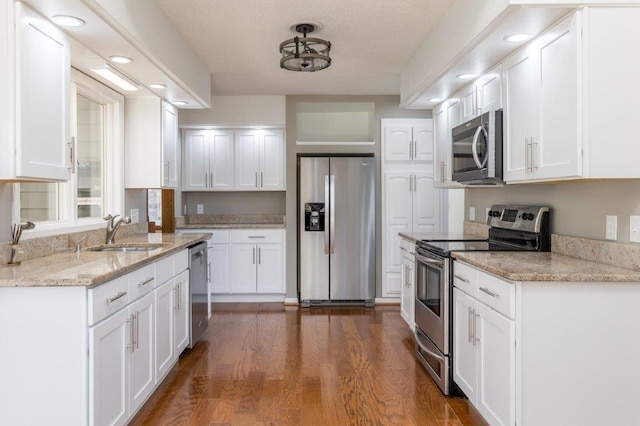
[[269, 364]]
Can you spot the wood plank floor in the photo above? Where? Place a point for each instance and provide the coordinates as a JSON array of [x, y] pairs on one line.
[[269, 364]]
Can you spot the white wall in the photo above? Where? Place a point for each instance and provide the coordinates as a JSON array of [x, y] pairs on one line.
[[235, 111], [5, 211]]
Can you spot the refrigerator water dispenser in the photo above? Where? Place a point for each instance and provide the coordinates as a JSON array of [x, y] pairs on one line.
[[314, 216]]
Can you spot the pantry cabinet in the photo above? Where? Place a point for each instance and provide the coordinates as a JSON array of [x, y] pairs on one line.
[[408, 140], [34, 105]]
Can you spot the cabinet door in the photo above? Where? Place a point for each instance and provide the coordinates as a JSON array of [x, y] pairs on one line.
[[272, 160], [243, 268], [521, 90], [490, 91], [42, 116], [182, 319], [247, 163], [407, 299], [270, 270], [465, 361], [469, 103], [557, 152], [109, 346], [164, 329], [219, 264], [497, 366], [398, 143], [196, 161], [221, 160], [441, 142], [423, 141], [141, 359], [425, 203], [170, 145], [398, 218]]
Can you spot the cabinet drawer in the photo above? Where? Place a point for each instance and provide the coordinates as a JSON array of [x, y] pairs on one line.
[[141, 281], [407, 247], [496, 293], [108, 298], [164, 270], [180, 262], [465, 278], [220, 236], [256, 236]]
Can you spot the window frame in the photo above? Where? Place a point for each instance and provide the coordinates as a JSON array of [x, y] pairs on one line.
[[113, 170]]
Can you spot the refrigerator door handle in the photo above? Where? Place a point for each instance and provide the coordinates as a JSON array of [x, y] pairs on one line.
[[332, 213], [326, 203]]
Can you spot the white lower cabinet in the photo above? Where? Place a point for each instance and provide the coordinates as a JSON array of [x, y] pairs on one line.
[[181, 321], [164, 328], [142, 375], [257, 268], [407, 301]]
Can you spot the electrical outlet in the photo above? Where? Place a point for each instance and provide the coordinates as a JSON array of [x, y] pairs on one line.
[[634, 229], [134, 215], [472, 213], [486, 213], [199, 208], [612, 228]]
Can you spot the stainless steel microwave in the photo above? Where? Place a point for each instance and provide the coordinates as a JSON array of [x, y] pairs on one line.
[[477, 150]]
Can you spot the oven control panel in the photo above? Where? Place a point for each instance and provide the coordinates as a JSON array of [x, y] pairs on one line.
[[520, 218]]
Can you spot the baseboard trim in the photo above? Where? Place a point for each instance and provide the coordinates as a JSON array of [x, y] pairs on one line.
[[387, 301], [291, 301], [246, 298]]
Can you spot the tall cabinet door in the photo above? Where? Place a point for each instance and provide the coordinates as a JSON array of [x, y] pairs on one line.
[[109, 346], [141, 367], [221, 161], [398, 143], [247, 162], [170, 145], [423, 142], [520, 111], [196, 152], [425, 203], [398, 214], [272, 160], [43, 117]]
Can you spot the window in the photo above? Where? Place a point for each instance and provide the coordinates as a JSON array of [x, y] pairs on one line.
[[96, 185]]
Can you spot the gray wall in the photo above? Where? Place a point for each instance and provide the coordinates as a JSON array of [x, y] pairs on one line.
[[271, 202], [385, 107], [579, 208], [136, 199], [5, 211]]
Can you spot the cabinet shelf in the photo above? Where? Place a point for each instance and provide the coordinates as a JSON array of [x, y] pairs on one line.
[[335, 123]]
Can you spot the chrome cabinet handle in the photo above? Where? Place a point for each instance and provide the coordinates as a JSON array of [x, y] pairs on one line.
[[72, 154], [461, 278], [415, 183], [534, 144], [117, 296], [475, 328], [130, 323], [256, 179], [136, 330], [469, 325], [489, 292], [527, 159], [254, 255], [145, 282], [415, 149], [206, 180], [209, 271], [175, 298], [410, 183], [259, 256], [261, 179], [256, 236], [211, 180]]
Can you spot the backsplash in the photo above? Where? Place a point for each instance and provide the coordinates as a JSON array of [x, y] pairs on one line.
[[44, 246], [624, 255], [233, 219], [476, 228]]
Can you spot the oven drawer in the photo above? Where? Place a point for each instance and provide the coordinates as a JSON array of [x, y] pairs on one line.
[[497, 294], [465, 278]]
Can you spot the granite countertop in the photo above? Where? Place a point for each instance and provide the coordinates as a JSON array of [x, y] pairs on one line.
[[90, 268], [439, 236], [232, 221], [528, 266]]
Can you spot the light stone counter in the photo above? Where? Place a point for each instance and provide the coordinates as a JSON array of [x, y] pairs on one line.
[[528, 266], [90, 268]]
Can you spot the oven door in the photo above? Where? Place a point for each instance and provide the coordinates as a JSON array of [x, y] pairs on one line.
[[432, 298]]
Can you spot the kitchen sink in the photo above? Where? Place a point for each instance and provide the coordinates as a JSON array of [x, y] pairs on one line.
[[123, 247]]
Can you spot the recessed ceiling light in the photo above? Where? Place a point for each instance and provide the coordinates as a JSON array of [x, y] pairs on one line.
[[517, 38], [67, 21], [120, 59], [116, 78], [465, 76], [179, 103], [434, 100], [158, 86]]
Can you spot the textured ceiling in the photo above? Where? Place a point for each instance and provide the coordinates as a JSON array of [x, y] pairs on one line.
[[371, 41]]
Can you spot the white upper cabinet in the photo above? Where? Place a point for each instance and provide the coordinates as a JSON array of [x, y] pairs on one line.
[[408, 140], [446, 117], [259, 160], [35, 97], [208, 160], [152, 145]]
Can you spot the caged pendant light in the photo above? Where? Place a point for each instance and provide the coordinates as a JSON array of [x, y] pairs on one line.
[[304, 53]]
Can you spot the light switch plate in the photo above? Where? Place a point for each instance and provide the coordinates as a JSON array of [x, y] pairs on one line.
[[486, 213], [134, 215], [612, 228], [472, 213], [199, 208], [634, 229]]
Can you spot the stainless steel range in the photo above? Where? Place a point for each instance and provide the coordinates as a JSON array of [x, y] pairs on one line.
[[512, 228]]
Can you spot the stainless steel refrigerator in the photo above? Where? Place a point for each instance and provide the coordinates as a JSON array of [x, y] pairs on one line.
[[336, 230]]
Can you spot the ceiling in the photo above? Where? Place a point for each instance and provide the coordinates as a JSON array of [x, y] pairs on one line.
[[371, 42]]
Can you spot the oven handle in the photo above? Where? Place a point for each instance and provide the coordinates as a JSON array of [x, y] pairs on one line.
[[474, 147], [436, 262], [429, 351]]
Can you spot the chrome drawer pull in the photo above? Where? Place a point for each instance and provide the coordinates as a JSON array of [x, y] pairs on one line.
[[117, 296], [145, 282], [461, 278], [489, 292], [256, 236]]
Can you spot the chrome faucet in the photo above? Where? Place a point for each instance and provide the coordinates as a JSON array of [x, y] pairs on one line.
[[113, 225]]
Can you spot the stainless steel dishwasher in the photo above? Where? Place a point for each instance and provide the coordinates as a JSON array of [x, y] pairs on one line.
[[199, 297]]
